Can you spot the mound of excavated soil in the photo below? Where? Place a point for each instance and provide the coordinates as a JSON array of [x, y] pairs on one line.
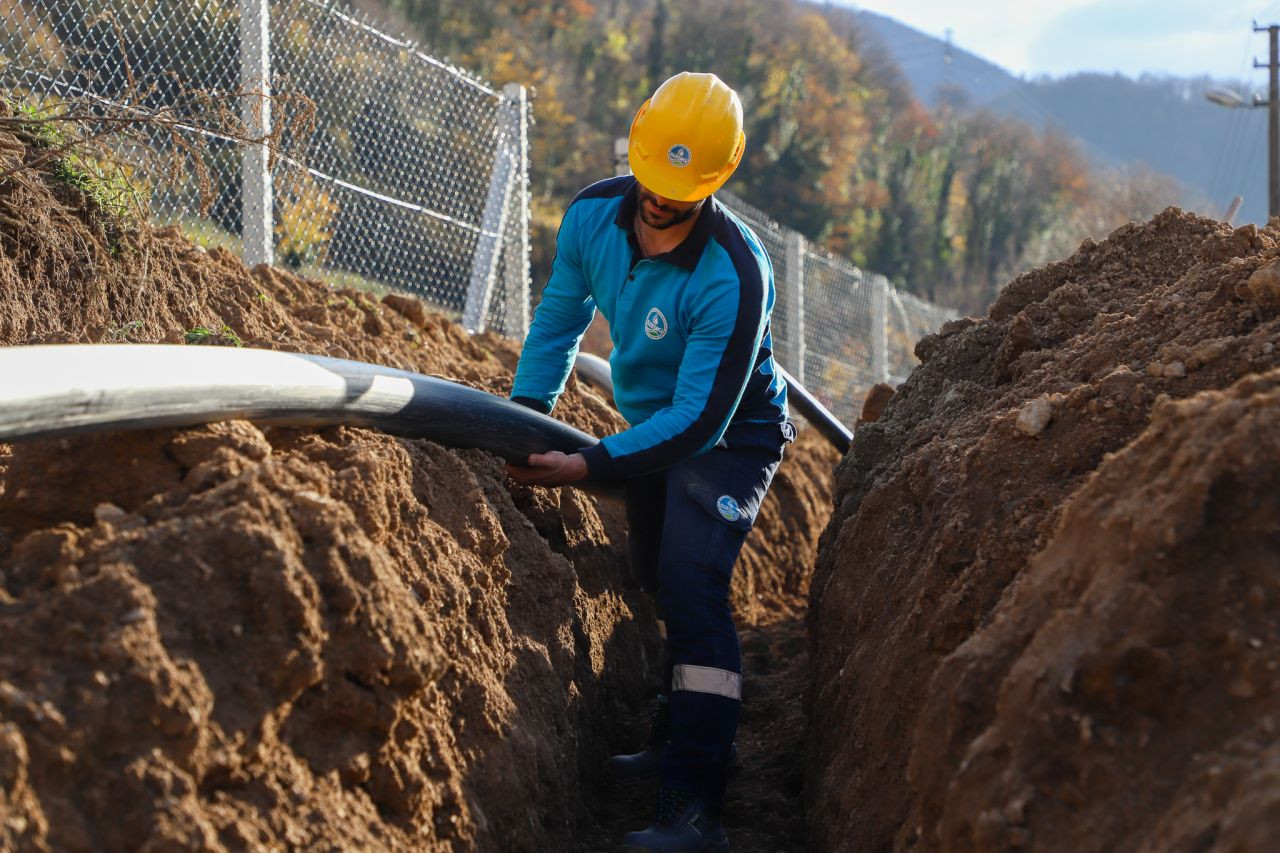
[[233, 636], [1045, 611]]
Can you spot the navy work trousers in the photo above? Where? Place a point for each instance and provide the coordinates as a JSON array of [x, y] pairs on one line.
[[687, 525]]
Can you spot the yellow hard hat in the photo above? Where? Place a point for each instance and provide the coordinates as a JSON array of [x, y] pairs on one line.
[[687, 139]]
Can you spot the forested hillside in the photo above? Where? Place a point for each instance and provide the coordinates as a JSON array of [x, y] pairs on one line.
[[948, 204], [1161, 121]]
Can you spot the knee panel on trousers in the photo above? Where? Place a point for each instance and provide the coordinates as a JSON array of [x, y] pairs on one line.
[[695, 607]]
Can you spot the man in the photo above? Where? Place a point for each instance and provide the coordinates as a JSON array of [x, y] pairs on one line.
[[687, 290]]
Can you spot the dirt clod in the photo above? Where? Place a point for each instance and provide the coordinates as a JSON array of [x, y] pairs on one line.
[[1264, 285], [1034, 416], [873, 406]]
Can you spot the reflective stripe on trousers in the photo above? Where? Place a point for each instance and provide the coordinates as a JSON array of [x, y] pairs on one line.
[[706, 679]]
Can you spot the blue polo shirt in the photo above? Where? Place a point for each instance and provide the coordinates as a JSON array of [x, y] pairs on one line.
[[692, 355]]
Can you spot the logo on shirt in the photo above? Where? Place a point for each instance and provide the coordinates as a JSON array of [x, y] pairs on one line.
[[679, 156], [728, 508], [655, 325]]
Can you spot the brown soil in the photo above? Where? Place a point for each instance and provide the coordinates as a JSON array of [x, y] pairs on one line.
[[238, 637], [1044, 612]]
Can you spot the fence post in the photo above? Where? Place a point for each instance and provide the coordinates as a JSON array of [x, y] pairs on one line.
[[484, 266], [895, 296], [879, 328], [519, 282], [255, 78], [621, 159], [794, 330]]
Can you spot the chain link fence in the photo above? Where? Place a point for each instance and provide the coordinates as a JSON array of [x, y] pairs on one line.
[[413, 178], [836, 328]]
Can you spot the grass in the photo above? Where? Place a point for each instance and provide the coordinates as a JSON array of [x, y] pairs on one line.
[[44, 134], [204, 336], [111, 194], [124, 333], [108, 189]]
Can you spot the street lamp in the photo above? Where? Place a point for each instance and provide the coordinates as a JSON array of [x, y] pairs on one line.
[[1229, 98]]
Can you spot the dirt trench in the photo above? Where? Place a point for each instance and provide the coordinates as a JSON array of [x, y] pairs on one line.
[[1042, 615], [1044, 611], [236, 637]]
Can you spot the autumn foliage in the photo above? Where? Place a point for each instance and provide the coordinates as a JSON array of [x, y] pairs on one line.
[[949, 203]]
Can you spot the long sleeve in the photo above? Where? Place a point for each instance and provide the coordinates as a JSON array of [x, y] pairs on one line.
[[720, 357], [562, 316]]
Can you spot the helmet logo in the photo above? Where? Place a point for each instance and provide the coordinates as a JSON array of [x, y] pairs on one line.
[[679, 156], [728, 508], [655, 325]]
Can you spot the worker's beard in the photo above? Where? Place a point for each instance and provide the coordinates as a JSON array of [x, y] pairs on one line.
[[668, 217]]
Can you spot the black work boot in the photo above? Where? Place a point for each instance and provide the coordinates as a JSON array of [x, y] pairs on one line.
[[682, 825], [648, 762]]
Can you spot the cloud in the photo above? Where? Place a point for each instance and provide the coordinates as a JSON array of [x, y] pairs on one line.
[[1000, 31], [1185, 37]]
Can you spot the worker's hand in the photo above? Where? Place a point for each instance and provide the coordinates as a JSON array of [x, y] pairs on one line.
[[550, 469]]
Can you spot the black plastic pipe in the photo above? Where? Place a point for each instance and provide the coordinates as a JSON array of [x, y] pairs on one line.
[[49, 391], [594, 370], [827, 424]]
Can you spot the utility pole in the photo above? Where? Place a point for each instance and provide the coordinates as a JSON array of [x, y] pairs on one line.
[[621, 160], [1273, 119]]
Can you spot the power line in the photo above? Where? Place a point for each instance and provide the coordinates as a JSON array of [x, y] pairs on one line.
[[1232, 181], [1232, 127]]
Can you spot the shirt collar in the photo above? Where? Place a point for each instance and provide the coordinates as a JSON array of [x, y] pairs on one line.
[[689, 252]]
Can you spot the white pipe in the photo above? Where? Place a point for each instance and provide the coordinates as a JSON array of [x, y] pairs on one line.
[[59, 390]]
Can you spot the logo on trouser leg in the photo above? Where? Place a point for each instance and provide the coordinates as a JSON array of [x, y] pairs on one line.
[[728, 508]]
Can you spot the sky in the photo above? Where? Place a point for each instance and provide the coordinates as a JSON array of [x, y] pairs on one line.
[[1057, 37]]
